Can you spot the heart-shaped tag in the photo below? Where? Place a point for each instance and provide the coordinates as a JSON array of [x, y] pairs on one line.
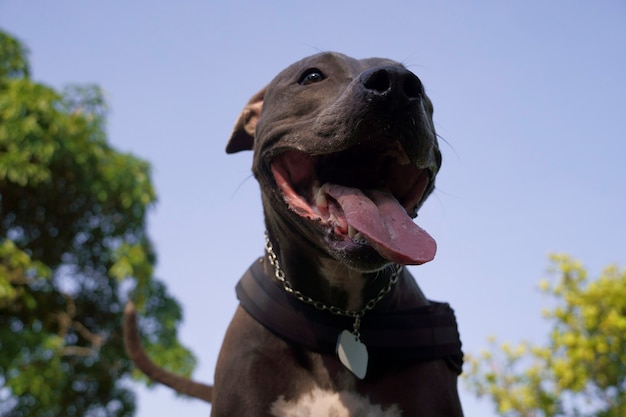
[[352, 354]]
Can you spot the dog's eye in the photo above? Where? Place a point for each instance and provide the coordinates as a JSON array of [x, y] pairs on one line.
[[311, 76]]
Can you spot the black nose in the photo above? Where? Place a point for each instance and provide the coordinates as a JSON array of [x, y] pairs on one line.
[[392, 83]]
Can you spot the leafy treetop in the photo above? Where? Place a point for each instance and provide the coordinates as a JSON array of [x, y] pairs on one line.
[[73, 248], [581, 370]]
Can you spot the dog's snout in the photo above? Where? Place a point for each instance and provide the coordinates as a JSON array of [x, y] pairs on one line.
[[393, 83]]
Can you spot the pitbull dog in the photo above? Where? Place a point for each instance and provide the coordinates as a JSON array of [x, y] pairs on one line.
[[330, 323]]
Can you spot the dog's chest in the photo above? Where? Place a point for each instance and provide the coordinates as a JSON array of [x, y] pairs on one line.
[[331, 392], [324, 403]]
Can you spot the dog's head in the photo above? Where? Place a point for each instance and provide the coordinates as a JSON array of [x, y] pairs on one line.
[[345, 152]]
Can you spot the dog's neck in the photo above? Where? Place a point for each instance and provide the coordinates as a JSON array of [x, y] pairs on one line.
[[324, 279]]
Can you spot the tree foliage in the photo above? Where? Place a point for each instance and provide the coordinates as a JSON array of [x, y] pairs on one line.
[[73, 246], [581, 371]]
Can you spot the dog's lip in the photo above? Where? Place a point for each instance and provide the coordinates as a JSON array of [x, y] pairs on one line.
[[299, 175]]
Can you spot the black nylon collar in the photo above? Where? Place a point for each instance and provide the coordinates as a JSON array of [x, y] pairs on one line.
[[423, 333]]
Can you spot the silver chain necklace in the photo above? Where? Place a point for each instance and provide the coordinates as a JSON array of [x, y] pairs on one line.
[[358, 369]]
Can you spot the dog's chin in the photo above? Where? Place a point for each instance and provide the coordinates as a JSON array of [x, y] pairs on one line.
[[357, 255]]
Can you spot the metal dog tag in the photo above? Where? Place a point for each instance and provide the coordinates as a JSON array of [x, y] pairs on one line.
[[352, 354]]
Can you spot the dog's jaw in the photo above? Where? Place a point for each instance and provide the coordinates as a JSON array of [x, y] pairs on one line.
[[359, 198]]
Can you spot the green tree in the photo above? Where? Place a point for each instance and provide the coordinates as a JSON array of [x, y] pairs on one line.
[[581, 371], [73, 248]]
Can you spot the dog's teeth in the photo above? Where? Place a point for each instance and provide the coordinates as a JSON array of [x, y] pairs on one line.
[[320, 197], [356, 236], [321, 201]]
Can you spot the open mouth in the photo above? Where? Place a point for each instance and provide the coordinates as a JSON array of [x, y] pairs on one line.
[[361, 196]]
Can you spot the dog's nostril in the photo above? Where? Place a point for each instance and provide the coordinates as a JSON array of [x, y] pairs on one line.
[[412, 86], [378, 81]]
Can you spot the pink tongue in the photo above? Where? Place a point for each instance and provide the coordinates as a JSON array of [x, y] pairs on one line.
[[385, 224]]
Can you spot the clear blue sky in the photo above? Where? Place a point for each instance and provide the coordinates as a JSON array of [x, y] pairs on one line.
[[530, 97]]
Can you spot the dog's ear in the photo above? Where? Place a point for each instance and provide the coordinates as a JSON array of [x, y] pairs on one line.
[[242, 138]]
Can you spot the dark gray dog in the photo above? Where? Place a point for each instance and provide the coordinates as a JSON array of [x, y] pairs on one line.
[[330, 323]]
